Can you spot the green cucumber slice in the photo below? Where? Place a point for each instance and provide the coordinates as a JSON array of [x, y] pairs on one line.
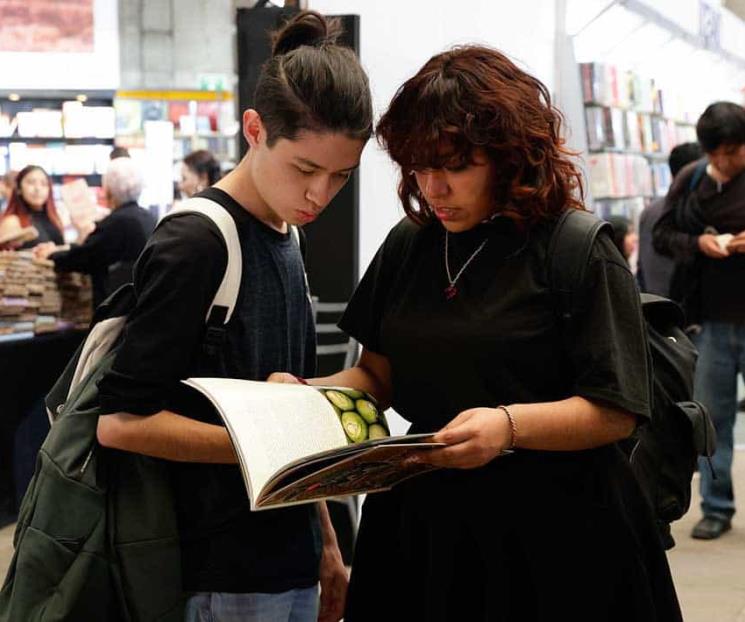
[[377, 431], [367, 410], [354, 426], [354, 393], [337, 398]]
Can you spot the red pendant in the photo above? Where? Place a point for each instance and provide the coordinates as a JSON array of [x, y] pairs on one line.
[[450, 292]]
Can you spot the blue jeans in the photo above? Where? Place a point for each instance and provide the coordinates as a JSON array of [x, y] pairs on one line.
[[721, 348], [292, 606]]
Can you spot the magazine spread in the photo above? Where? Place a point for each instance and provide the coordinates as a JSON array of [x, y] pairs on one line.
[[298, 443]]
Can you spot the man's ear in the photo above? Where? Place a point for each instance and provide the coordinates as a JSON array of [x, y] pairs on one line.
[[253, 128]]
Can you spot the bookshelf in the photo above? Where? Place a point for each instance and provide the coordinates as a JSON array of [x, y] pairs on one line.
[[201, 120], [69, 135], [629, 137]]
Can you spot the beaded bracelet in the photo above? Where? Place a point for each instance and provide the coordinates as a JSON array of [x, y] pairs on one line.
[[513, 427]]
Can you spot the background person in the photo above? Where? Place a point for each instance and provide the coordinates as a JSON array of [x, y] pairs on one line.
[[199, 170], [624, 235], [7, 182], [720, 197], [31, 203], [108, 253], [654, 271]]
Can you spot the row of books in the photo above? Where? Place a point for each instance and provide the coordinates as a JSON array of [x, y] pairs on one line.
[[73, 120], [615, 175], [35, 300], [630, 208], [56, 158], [661, 177], [628, 130], [188, 117], [224, 148], [609, 85]]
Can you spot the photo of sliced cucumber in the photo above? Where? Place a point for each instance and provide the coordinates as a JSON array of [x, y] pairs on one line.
[[337, 398], [377, 431], [354, 426], [367, 410]]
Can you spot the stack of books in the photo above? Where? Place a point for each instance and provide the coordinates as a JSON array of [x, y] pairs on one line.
[[35, 300], [77, 299]]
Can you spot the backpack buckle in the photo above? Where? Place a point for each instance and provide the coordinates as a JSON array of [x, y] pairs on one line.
[[214, 338]]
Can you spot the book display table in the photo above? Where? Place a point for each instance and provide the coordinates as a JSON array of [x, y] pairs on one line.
[[28, 368]]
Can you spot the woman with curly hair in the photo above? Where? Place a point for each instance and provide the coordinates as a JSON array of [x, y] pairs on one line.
[[461, 335]]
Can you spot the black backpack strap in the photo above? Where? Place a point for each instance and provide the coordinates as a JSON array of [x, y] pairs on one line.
[[215, 333], [698, 175], [569, 255]]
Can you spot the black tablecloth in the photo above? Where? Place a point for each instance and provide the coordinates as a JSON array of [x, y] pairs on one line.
[[28, 369]]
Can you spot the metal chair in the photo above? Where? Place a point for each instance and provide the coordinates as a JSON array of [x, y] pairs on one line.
[[348, 346]]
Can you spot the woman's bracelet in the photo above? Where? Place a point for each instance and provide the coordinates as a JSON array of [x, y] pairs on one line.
[[513, 427]]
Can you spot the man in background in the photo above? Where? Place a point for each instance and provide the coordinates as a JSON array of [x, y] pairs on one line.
[[654, 270], [715, 241]]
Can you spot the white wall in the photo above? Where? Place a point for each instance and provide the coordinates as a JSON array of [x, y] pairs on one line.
[[170, 44], [98, 69], [398, 37]]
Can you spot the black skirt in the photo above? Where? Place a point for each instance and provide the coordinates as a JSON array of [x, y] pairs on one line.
[[532, 537]]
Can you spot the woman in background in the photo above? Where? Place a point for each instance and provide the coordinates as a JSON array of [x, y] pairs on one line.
[[199, 170], [31, 204], [624, 235]]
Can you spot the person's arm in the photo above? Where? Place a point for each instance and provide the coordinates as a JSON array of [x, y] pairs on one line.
[[371, 374], [478, 435], [333, 574], [607, 358], [9, 224], [166, 435], [176, 279], [737, 243], [667, 239], [101, 248]]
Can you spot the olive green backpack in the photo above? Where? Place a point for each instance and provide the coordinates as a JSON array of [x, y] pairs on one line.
[[97, 538]]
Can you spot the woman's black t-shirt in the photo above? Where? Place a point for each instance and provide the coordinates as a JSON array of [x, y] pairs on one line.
[[499, 340]]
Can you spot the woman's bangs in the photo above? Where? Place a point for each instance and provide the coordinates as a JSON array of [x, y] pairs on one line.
[[430, 147]]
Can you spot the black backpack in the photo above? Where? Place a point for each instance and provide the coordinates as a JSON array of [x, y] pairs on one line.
[[663, 452]]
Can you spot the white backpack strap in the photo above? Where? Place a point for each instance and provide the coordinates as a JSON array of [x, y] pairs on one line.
[[227, 293], [296, 234]]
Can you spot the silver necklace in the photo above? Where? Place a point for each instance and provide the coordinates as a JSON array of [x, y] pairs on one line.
[[451, 291]]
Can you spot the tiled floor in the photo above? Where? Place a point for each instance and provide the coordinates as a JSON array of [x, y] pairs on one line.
[[710, 576]]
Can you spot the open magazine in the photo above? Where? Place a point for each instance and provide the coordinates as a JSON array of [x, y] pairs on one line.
[[298, 443]]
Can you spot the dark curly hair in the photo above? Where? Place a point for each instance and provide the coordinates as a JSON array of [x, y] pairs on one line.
[[474, 97]]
